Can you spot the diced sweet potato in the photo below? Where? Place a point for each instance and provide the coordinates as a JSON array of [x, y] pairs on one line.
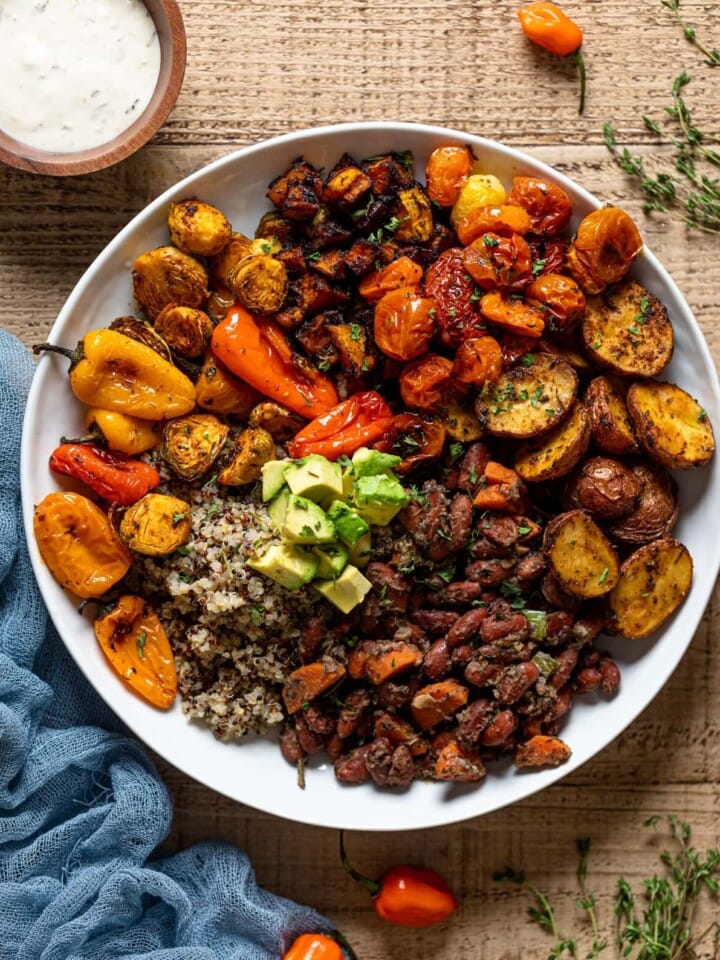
[[309, 681], [386, 664], [542, 751], [436, 701]]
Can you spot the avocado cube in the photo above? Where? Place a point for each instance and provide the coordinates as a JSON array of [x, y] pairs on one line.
[[379, 498], [316, 478], [277, 508], [369, 463], [307, 523], [347, 591], [290, 566], [273, 478], [332, 557], [361, 552], [350, 527]]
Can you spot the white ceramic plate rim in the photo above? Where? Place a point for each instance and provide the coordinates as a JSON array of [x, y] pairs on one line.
[[253, 772]]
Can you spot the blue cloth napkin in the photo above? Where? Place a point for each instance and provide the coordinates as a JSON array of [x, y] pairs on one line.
[[81, 806]]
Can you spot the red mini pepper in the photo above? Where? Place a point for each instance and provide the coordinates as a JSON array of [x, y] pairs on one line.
[[356, 422], [256, 350], [115, 477], [407, 896], [547, 26]]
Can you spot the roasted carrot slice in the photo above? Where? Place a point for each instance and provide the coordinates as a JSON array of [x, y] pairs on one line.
[[134, 641], [400, 731], [386, 664], [436, 701], [542, 751], [309, 681]]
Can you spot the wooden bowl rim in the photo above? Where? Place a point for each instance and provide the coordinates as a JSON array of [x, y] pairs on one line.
[[173, 53]]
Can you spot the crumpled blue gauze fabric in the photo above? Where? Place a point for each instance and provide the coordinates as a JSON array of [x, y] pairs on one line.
[[81, 806]]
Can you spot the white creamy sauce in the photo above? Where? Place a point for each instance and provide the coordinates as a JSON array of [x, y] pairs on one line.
[[74, 73]]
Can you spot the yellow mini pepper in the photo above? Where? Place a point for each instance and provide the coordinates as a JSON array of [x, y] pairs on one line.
[[123, 433], [114, 372]]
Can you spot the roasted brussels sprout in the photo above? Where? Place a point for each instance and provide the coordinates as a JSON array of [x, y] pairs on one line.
[[198, 227], [222, 393], [252, 448], [167, 275], [260, 283], [156, 525], [186, 330], [281, 424], [219, 303], [191, 444], [223, 263], [143, 332]]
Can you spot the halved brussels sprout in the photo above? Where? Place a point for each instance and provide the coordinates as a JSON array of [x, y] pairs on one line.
[[167, 275], [187, 330], [156, 525], [191, 444], [280, 423], [253, 447], [260, 282], [143, 332]]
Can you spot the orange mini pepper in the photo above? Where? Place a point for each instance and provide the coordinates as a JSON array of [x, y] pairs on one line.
[[547, 26], [320, 946], [406, 896]]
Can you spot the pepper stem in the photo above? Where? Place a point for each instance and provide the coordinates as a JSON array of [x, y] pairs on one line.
[[580, 63], [372, 887], [38, 347], [342, 942]]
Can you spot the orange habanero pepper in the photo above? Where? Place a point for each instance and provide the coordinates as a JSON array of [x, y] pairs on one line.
[[256, 350], [547, 26], [319, 946], [406, 896]]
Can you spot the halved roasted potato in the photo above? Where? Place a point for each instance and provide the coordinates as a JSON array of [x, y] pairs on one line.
[[198, 227], [612, 429], [671, 425], [657, 509], [167, 275], [461, 424], [653, 583], [156, 525], [581, 557], [557, 452], [252, 448], [529, 400], [191, 444], [628, 331], [260, 282]]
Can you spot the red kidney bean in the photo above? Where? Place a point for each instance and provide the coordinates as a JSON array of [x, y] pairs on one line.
[[290, 746], [482, 673], [437, 663], [498, 630], [351, 767], [393, 587], [466, 627], [473, 720], [516, 680], [610, 675], [309, 741], [587, 680], [567, 661], [490, 573], [357, 704], [500, 728], [434, 622]]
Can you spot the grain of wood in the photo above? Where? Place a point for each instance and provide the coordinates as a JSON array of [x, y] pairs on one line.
[[257, 69]]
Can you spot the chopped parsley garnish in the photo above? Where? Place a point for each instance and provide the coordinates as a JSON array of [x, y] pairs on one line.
[[140, 644]]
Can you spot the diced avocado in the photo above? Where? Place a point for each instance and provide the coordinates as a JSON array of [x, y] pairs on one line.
[[369, 463], [332, 557], [277, 508], [347, 591], [316, 478], [350, 527], [273, 478], [306, 522], [288, 565], [361, 552], [379, 498]]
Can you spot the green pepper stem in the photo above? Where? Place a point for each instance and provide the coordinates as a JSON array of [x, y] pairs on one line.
[[580, 63], [38, 347], [340, 939], [372, 886]]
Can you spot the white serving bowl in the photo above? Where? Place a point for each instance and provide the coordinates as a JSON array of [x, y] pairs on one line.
[[252, 771]]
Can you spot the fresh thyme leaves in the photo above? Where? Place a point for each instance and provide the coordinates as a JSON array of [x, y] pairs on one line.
[[659, 923], [711, 54], [689, 191]]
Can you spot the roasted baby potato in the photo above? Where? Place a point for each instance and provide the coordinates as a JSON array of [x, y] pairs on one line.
[[186, 330], [260, 282], [653, 583], [606, 488], [558, 451], [281, 424], [461, 424], [528, 401], [581, 557], [218, 391], [569, 349], [612, 429], [156, 525], [671, 426], [167, 275], [657, 510], [191, 444], [198, 227], [603, 249], [251, 449], [143, 332], [627, 330]]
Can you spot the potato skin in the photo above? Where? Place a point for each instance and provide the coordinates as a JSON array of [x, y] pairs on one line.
[[167, 275], [654, 581], [197, 227], [657, 510], [605, 487], [612, 429], [671, 425]]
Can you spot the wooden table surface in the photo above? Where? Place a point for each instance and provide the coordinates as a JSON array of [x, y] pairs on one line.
[[256, 69]]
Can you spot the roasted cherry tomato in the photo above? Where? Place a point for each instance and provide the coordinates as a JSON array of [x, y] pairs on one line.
[[561, 297], [353, 423], [548, 254], [402, 272], [446, 171], [505, 219], [606, 243], [494, 261], [455, 295], [425, 383], [417, 439], [477, 361], [404, 323], [547, 204], [514, 347], [514, 314]]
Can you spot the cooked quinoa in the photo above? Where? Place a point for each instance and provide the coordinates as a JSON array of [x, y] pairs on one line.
[[232, 630]]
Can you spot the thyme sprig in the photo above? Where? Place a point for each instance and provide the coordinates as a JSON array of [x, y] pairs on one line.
[[712, 54], [693, 197], [657, 923]]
